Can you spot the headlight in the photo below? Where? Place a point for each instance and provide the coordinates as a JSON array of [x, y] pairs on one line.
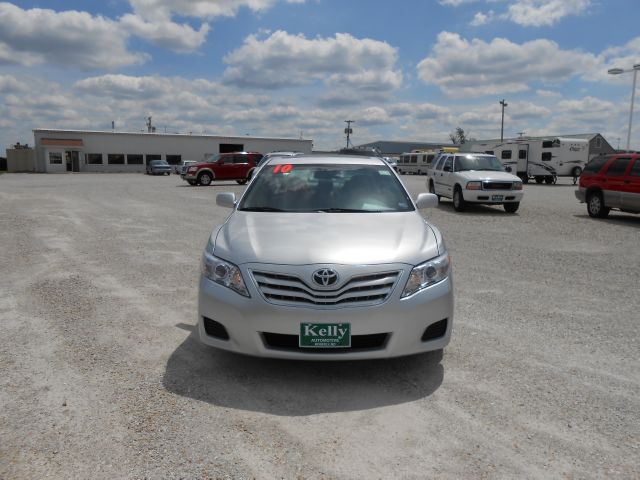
[[223, 272], [517, 185], [427, 274], [474, 186], [193, 169]]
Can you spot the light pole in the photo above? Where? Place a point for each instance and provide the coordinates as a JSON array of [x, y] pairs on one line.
[[348, 130], [618, 71], [504, 104]]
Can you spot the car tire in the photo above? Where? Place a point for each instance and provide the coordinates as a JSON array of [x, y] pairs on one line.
[[539, 179], [595, 205], [511, 207], [433, 190], [205, 179], [242, 182], [459, 203]]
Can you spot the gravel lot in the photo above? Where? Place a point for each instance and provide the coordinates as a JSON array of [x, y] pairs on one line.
[[102, 375]]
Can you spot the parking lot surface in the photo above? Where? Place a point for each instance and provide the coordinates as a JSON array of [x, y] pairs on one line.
[[102, 375]]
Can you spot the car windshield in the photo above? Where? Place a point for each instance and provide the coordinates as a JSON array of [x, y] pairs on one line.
[[477, 162], [326, 188]]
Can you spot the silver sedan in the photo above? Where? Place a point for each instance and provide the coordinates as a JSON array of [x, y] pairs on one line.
[[326, 258]]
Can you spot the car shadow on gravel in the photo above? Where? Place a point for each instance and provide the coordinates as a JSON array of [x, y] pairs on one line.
[[476, 210], [616, 218], [292, 388]]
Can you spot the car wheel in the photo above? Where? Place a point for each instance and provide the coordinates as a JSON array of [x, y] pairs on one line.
[[204, 179], [458, 200], [511, 207], [242, 182], [539, 179], [433, 190], [596, 207]]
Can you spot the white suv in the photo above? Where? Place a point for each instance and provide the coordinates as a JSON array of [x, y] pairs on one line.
[[474, 178]]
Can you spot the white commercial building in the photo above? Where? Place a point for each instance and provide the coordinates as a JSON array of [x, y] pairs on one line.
[[93, 151]]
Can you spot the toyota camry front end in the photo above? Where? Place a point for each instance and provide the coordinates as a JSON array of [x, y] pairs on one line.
[[326, 258]]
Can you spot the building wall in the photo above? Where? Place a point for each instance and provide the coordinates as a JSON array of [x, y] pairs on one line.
[[190, 147], [21, 160]]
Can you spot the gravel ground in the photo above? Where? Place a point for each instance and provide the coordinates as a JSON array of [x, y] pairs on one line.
[[102, 376]]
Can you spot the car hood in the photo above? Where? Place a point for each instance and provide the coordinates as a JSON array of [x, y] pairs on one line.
[[488, 175], [328, 238]]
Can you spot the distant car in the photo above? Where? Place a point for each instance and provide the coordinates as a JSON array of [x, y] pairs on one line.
[[182, 168], [158, 167], [611, 182], [474, 178], [223, 166], [326, 258]]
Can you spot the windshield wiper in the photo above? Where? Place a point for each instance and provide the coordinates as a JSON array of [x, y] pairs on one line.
[[260, 209]]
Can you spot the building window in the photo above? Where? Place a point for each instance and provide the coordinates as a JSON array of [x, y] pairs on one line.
[[134, 159], [231, 147], [174, 159], [94, 159], [506, 154], [598, 142], [153, 156], [55, 158], [546, 156], [115, 159]]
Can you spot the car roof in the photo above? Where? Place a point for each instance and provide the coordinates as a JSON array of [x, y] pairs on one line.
[[307, 159]]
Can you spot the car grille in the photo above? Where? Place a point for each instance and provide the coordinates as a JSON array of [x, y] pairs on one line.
[[360, 290], [497, 185], [277, 341]]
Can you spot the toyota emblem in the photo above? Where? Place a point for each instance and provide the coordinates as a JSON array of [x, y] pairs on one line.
[[325, 277]]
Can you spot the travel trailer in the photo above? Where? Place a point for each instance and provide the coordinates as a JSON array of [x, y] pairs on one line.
[[542, 160], [418, 161]]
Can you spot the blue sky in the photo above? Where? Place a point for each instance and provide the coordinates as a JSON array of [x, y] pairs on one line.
[[403, 70]]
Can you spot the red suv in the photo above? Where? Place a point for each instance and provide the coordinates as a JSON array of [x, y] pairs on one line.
[[611, 181], [223, 166]]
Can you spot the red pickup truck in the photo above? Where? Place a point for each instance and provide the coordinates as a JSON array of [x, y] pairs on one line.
[[611, 181], [223, 166]]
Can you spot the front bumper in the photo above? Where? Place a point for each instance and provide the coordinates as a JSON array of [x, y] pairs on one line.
[[491, 196], [404, 321]]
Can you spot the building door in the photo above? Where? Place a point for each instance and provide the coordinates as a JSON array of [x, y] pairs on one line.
[[72, 159]]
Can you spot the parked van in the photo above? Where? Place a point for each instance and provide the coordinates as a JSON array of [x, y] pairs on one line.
[[542, 160]]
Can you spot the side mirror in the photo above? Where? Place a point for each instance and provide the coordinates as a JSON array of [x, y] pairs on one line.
[[226, 199], [426, 200], [508, 169]]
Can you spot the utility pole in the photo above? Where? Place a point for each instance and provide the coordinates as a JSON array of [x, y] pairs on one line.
[[348, 130], [504, 104]]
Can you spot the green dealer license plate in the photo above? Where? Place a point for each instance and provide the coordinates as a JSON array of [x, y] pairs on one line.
[[325, 335]]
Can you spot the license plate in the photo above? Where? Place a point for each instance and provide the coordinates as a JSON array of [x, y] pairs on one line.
[[325, 335], [496, 198]]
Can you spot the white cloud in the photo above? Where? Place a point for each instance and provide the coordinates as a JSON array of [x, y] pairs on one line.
[[463, 68], [480, 19], [78, 39], [10, 84], [153, 19], [537, 13], [547, 93], [283, 60], [175, 36]]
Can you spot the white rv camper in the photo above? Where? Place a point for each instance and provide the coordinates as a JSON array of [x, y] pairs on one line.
[[540, 159], [417, 162]]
